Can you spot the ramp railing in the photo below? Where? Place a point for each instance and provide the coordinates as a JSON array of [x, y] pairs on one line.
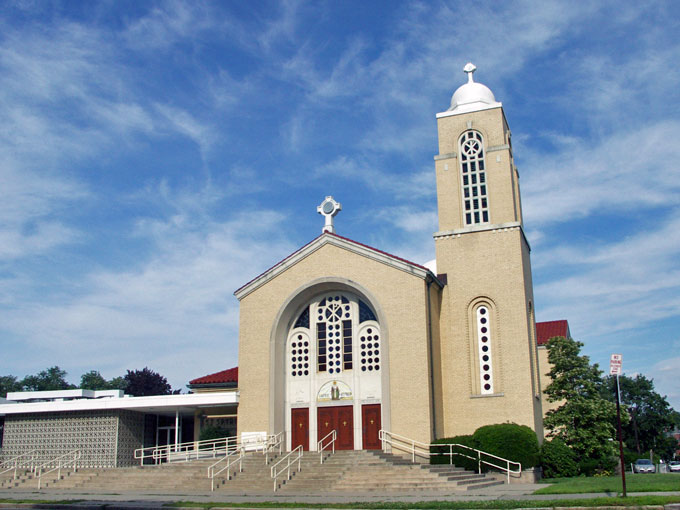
[[321, 447], [57, 464], [25, 461], [285, 463], [422, 450]]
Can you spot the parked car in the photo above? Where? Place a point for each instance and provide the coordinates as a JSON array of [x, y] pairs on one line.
[[644, 466], [674, 466]]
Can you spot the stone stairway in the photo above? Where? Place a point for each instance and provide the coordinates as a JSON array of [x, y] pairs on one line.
[[27, 480], [374, 471], [342, 472]]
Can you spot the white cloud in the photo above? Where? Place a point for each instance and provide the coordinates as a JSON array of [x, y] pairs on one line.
[[626, 170], [179, 300], [632, 282], [400, 184]]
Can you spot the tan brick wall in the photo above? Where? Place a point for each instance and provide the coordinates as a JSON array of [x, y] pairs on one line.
[[485, 264], [400, 296]]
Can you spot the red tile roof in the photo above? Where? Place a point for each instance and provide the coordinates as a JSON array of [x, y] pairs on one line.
[[225, 376], [546, 330], [339, 237]]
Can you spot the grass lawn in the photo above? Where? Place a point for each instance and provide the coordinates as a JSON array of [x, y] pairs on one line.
[[634, 483], [636, 501], [458, 505]]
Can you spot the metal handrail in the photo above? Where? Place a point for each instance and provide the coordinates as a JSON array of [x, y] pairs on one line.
[[61, 463], [321, 448], [423, 449], [228, 458], [275, 474], [16, 462], [273, 441], [189, 450]]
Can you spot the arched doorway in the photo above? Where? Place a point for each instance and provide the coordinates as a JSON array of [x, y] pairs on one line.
[[331, 362]]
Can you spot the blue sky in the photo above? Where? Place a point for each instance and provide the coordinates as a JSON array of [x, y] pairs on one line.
[[155, 156]]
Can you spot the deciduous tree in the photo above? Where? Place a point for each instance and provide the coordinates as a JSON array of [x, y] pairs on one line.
[[651, 416], [53, 378], [145, 382], [8, 383], [584, 420]]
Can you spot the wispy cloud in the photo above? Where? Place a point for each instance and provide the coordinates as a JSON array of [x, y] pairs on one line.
[[582, 178]]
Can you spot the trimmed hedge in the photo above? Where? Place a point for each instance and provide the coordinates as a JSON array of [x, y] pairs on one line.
[[507, 440], [558, 460]]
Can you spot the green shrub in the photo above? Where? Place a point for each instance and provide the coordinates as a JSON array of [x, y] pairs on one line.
[[212, 432], [510, 441], [458, 459], [593, 467], [558, 460]]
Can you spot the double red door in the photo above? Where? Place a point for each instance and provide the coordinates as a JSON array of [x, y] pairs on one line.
[[339, 418]]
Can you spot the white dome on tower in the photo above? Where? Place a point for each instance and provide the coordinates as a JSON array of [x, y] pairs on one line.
[[472, 96]]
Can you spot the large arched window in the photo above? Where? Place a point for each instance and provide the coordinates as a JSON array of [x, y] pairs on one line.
[[334, 333], [473, 176]]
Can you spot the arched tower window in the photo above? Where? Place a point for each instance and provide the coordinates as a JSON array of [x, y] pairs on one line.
[[473, 176]]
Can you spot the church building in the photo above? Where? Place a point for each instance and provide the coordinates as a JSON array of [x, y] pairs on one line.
[[343, 336]]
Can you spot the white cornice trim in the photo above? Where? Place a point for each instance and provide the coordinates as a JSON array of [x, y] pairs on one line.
[[463, 109], [155, 403], [449, 155], [339, 242], [502, 227]]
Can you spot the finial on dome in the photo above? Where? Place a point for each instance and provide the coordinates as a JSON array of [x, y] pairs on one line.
[[470, 69], [471, 96]]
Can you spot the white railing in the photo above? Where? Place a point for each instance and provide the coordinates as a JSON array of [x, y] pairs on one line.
[[290, 459], [320, 446], [25, 461], [419, 449], [191, 450], [268, 444], [228, 461], [57, 464], [273, 442]]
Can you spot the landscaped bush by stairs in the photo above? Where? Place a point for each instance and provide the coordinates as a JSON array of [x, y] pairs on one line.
[[510, 441], [558, 460]]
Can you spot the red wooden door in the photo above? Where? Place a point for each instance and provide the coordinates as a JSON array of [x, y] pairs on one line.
[[299, 419], [370, 424], [345, 428], [340, 419]]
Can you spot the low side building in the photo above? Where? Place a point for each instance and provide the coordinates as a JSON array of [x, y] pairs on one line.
[[106, 427]]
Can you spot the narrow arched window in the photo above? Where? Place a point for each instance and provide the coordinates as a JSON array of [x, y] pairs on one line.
[[473, 176], [484, 338]]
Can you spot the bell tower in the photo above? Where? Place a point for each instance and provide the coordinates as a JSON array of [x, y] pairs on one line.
[[489, 359]]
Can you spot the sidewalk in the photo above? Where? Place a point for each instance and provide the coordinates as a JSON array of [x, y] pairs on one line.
[[148, 500]]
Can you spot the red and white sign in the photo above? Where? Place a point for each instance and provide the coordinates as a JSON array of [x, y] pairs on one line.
[[615, 364]]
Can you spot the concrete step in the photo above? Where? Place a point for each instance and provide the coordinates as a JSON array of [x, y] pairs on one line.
[[344, 471]]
